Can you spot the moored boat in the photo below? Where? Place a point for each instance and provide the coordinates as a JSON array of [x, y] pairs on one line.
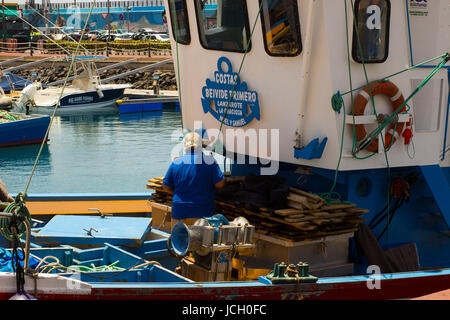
[[85, 95], [20, 129]]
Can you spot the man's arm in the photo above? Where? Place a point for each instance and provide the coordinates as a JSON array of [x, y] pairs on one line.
[[220, 184], [168, 188], [168, 180]]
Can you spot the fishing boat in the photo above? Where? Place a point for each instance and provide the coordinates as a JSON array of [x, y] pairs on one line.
[[20, 129], [85, 95], [346, 99], [311, 84]]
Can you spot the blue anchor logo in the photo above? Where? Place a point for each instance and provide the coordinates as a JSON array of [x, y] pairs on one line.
[[236, 108]]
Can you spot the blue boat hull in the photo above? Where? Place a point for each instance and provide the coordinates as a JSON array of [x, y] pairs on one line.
[[85, 103], [21, 132], [423, 219]]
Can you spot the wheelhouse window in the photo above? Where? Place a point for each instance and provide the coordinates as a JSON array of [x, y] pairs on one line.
[[281, 27], [223, 27], [372, 26], [180, 21]]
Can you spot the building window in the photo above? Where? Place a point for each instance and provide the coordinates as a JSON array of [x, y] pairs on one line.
[[224, 29], [180, 21], [281, 27], [372, 25]]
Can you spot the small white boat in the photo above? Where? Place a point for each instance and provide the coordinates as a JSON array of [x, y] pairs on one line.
[[85, 95]]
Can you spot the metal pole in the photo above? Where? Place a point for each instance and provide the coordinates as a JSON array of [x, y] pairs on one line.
[[128, 12], [109, 33], [30, 40], [3, 24]]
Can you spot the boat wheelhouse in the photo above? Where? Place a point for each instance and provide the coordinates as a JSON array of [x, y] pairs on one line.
[[345, 98]]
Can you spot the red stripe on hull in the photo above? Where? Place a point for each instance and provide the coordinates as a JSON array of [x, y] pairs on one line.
[[21, 143], [358, 290], [389, 289]]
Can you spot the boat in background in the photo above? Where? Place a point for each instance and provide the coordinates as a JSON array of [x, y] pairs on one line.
[[21, 129], [85, 95], [12, 84]]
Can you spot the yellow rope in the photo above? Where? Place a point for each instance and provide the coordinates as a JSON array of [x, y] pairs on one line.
[[59, 100]]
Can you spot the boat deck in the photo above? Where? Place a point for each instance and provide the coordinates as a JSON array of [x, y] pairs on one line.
[[73, 204], [37, 208], [441, 295]]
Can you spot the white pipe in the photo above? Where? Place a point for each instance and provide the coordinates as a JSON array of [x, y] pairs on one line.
[[305, 74]]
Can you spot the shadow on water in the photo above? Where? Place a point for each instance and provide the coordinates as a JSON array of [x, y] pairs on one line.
[[24, 155]]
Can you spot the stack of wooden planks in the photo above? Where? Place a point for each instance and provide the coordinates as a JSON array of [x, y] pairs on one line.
[[307, 216]]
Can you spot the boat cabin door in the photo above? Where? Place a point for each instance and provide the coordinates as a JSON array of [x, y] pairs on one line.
[[426, 41]]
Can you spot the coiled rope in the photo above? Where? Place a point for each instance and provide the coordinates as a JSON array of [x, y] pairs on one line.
[[16, 218], [20, 214]]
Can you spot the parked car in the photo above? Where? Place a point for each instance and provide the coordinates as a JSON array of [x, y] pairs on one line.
[[105, 37], [126, 36], [93, 34], [142, 33], [158, 37], [75, 36]]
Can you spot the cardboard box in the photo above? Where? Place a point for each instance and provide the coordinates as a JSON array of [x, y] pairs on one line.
[[161, 217]]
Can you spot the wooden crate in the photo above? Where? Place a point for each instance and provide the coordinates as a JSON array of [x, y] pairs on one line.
[[200, 274], [161, 217], [327, 255]]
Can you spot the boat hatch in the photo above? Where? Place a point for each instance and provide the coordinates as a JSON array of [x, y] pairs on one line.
[[94, 230]]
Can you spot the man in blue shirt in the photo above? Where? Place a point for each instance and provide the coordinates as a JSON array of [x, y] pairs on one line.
[[192, 178]]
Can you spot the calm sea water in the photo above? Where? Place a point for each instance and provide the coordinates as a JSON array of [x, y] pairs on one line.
[[96, 154]]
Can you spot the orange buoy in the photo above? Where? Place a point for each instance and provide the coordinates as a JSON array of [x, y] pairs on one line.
[[390, 90]]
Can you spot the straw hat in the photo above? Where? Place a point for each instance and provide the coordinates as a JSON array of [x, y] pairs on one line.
[[192, 141]]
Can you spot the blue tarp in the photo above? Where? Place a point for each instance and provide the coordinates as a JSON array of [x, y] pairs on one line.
[[5, 261], [9, 78]]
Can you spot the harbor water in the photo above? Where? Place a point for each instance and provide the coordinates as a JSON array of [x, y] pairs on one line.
[[96, 154]]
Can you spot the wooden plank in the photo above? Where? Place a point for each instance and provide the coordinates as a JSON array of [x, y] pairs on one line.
[[287, 212], [321, 221], [338, 206], [81, 207], [306, 194], [304, 226], [356, 210], [295, 205], [299, 199], [321, 216]]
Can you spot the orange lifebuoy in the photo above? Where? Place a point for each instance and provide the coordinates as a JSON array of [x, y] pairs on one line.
[[390, 90]]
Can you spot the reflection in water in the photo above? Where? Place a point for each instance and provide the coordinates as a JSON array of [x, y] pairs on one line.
[[16, 164], [96, 154], [156, 115]]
